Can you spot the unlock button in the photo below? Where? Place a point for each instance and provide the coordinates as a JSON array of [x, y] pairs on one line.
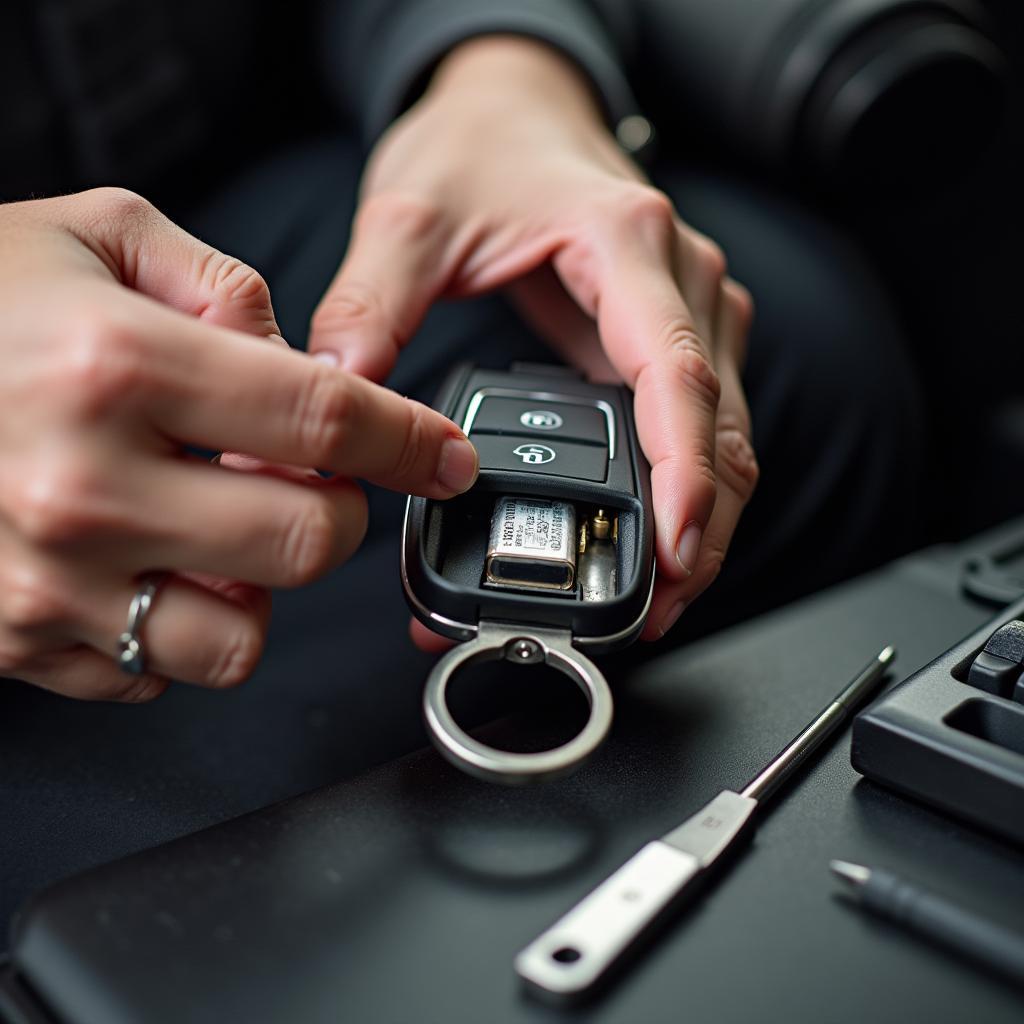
[[536, 455], [541, 420]]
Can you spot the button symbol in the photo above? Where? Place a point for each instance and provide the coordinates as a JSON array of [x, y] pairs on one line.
[[541, 419], [534, 454]]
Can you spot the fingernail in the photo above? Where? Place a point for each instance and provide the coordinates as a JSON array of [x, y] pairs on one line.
[[673, 617], [688, 547], [458, 466], [326, 355]]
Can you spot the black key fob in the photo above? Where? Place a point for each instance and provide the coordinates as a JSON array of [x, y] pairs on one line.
[[549, 557]]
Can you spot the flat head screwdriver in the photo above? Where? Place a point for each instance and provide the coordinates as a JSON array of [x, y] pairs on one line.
[[576, 952]]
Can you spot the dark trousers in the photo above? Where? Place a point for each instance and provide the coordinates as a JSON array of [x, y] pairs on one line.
[[839, 434]]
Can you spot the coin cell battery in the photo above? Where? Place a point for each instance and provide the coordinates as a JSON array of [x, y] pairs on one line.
[[532, 544]]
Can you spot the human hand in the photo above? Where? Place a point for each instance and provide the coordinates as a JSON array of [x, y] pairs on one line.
[[503, 175], [122, 340]]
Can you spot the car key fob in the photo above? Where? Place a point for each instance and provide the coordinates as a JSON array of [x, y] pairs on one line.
[[547, 558]]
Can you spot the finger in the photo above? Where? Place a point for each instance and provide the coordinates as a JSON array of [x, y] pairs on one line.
[[547, 307], [652, 341], [699, 266], [190, 633], [735, 467], [738, 306], [395, 267], [252, 527], [151, 254], [255, 599], [427, 640], [217, 390], [85, 674]]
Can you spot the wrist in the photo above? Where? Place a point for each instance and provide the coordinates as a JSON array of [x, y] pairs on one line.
[[509, 67]]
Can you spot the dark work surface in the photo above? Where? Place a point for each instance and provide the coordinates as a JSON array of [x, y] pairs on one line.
[[403, 894]]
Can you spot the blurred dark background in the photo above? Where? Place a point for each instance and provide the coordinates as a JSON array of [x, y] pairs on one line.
[[929, 186]]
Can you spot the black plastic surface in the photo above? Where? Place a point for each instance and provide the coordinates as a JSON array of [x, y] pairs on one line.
[[444, 543], [403, 895], [554, 420], [993, 674], [533, 456], [942, 738]]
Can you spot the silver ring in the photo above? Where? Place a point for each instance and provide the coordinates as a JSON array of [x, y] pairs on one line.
[[523, 646], [131, 657]]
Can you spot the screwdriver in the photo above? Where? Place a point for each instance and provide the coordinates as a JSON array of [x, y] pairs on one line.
[[576, 952], [936, 918]]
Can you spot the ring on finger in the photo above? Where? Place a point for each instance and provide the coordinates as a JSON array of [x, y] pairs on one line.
[[131, 655]]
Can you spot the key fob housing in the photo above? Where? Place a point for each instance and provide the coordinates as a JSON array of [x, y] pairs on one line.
[[542, 432]]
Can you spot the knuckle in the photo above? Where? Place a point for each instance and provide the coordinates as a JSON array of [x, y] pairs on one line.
[[232, 281], [712, 561], [346, 305], [741, 303], [14, 658], [644, 204], [689, 363], [415, 443], [308, 544], [709, 257], [112, 203], [31, 601], [51, 505], [11, 661], [701, 477], [736, 461], [401, 214], [16, 654], [323, 415], [143, 690], [100, 365], [238, 658]]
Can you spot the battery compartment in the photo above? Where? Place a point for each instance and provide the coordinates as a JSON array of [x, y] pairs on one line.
[[457, 536]]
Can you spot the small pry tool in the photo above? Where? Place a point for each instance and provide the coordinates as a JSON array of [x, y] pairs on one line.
[[575, 953], [936, 918]]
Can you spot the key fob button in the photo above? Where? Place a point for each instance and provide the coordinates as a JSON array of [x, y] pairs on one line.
[[537, 418], [550, 456], [999, 666]]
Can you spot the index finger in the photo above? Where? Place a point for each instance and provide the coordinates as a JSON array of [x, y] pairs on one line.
[[213, 387]]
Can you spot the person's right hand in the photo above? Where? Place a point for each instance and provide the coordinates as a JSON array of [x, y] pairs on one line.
[[122, 341]]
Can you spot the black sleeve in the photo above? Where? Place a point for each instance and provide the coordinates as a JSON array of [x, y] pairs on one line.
[[378, 54]]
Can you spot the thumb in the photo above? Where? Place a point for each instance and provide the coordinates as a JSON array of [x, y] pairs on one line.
[[396, 266], [156, 257]]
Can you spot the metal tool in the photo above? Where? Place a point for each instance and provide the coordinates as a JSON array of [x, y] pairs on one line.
[[936, 918], [575, 953]]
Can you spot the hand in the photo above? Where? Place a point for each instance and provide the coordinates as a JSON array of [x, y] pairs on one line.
[[503, 175], [122, 340]]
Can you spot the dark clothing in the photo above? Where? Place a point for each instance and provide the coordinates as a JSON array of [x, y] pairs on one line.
[[167, 96]]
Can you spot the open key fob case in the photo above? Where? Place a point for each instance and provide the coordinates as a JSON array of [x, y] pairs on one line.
[[547, 558]]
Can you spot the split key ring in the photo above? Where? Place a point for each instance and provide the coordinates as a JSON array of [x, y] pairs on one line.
[[522, 646]]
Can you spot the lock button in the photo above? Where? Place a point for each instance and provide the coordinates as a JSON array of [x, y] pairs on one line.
[[541, 419], [546, 456]]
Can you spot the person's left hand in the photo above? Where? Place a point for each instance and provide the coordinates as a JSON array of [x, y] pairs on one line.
[[504, 175]]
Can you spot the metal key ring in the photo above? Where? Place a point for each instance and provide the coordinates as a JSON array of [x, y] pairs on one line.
[[524, 646]]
